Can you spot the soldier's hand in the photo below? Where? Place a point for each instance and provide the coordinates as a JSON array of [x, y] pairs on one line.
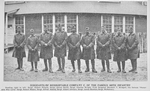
[[119, 48]]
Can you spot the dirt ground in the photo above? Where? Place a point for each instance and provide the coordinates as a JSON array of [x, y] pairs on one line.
[[10, 74]]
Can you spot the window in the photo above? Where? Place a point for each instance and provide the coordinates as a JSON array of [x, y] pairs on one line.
[[48, 22], [128, 22], [71, 23], [59, 21], [19, 21], [118, 23], [107, 22]]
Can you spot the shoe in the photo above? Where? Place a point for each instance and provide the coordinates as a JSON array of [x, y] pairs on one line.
[[63, 71], [79, 71], [32, 69], [21, 69], [94, 71], [50, 71], [73, 70], [102, 70], [36, 70], [135, 71], [17, 68], [119, 71], [45, 70], [131, 70], [123, 71], [109, 71], [59, 70], [87, 70]]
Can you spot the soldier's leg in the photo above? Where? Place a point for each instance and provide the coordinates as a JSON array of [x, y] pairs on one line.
[[103, 65], [73, 66], [123, 67], [93, 66], [59, 64], [45, 63], [135, 65], [32, 69], [36, 63], [79, 66], [21, 64], [87, 65], [108, 66], [18, 62], [132, 65], [119, 67], [63, 64], [50, 65]]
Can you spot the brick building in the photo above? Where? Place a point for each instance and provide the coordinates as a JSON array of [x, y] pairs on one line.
[[93, 14]]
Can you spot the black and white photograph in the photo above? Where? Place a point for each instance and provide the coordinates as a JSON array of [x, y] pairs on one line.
[[75, 41]]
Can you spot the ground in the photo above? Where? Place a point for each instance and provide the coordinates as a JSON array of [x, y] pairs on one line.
[[10, 74]]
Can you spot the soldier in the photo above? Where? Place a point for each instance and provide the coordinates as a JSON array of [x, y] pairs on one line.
[[88, 52], [133, 51], [46, 53], [103, 48], [119, 41], [74, 53], [60, 38], [19, 50], [33, 56]]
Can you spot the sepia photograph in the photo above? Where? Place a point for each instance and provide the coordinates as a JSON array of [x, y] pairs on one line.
[[87, 41]]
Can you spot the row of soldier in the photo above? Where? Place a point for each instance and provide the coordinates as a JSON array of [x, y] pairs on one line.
[[125, 47]]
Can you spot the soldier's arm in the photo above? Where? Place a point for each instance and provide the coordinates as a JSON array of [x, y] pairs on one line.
[[51, 41], [99, 44], [28, 46], [114, 43], [82, 42], [136, 42], [54, 40], [64, 42], [123, 44], [68, 42], [24, 42], [37, 44], [108, 42], [14, 42], [79, 42], [41, 41], [92, 42]]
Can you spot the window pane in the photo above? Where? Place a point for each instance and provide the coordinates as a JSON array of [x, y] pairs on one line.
[[107, 22], [71, 22], [128, 23], [48, 22]]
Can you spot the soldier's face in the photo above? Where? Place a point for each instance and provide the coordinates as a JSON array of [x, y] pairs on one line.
[[45, 30], [130, 30], [32, 32], [19, 30]]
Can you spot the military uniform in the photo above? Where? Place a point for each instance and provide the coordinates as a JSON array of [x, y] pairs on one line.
[[133, 51], [132, 41], [46, 51], [103, 52], [19, 40], [60, 39], [32, 43], [119, 41], [88, 53], [74, 53]]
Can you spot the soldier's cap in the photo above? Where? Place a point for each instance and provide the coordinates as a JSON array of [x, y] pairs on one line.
[[31, 30], [87, 28], [130, 27], [118, 28], [18, 27]]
